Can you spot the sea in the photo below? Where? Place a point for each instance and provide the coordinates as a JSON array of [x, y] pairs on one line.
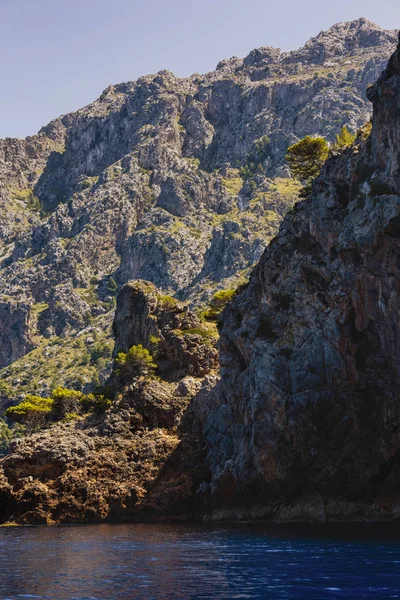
[[182, 561]]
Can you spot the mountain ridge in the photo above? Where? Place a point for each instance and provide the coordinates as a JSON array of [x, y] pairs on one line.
[[145, 183]]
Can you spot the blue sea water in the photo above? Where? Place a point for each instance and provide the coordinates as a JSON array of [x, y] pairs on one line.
[[166, 562]]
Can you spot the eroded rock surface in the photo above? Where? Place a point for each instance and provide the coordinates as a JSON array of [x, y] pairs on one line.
[[308, 409]]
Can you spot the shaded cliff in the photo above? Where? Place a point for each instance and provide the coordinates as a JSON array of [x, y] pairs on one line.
[[307, 421]]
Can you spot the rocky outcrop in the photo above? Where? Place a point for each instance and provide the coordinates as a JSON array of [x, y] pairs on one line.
[[308, 408], [21, 164], [145, 457], [144, 183], [15, 340], [183, 344]]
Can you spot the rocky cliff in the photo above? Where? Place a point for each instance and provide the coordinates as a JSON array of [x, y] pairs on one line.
[[304, 422], [181, 182], [308, 409]]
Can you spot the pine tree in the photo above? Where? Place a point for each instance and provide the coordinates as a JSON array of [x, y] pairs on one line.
[[307, 157], [344, 139]]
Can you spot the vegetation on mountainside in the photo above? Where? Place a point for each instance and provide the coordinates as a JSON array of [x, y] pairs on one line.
[[255, 159], [365, 131], [232, 182], [167, 302], [217, 304], [344, 139], [8, 433], [137, 361], [306, 159], [76, 362], [34, 411]]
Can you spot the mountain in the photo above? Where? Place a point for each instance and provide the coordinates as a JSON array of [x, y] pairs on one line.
[[181, 182], [302, 421], [297, 418]]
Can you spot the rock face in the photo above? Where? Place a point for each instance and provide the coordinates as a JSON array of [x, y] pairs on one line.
[[144, 183], [21, 164], [14, 317], [308, 409], [145, 457], [304, 423]]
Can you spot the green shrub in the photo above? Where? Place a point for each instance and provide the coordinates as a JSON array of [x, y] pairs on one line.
[[5, 437], [32, 411], [344, 139], [88, 183], [112, 286], [254, 160], [9, 433], [306, 159], [6, 390], [100, 350], [96, 403], [365, 131], [85, 359], [65, 401], [217, 304], [137, 361], [208, 333], [69, 417]]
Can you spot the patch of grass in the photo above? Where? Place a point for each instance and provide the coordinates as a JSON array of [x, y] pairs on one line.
[[167, 302], [39, 307], [233, 185], [207, 331]]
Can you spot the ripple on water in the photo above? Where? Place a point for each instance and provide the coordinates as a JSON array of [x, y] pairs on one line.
[[165, 562]]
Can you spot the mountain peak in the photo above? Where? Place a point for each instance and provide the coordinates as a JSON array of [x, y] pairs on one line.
[[358, 33], [343, 39]]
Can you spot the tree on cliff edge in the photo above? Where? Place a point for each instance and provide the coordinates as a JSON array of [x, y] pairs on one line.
[[306, 159]]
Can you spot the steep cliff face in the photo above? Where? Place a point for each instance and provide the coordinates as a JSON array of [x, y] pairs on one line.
[[308, 408], [21, 164], [145, 183]]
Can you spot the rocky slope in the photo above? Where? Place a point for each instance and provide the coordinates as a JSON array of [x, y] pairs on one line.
[[307, 418], [143, 458], [145, 183]]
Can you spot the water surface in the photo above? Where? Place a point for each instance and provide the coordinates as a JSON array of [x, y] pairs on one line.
[[167, 562]]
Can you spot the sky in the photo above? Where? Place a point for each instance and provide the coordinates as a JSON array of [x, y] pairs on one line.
[[59, 55]]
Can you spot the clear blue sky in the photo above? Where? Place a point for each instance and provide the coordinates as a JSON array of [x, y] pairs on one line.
[[58, 55]]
